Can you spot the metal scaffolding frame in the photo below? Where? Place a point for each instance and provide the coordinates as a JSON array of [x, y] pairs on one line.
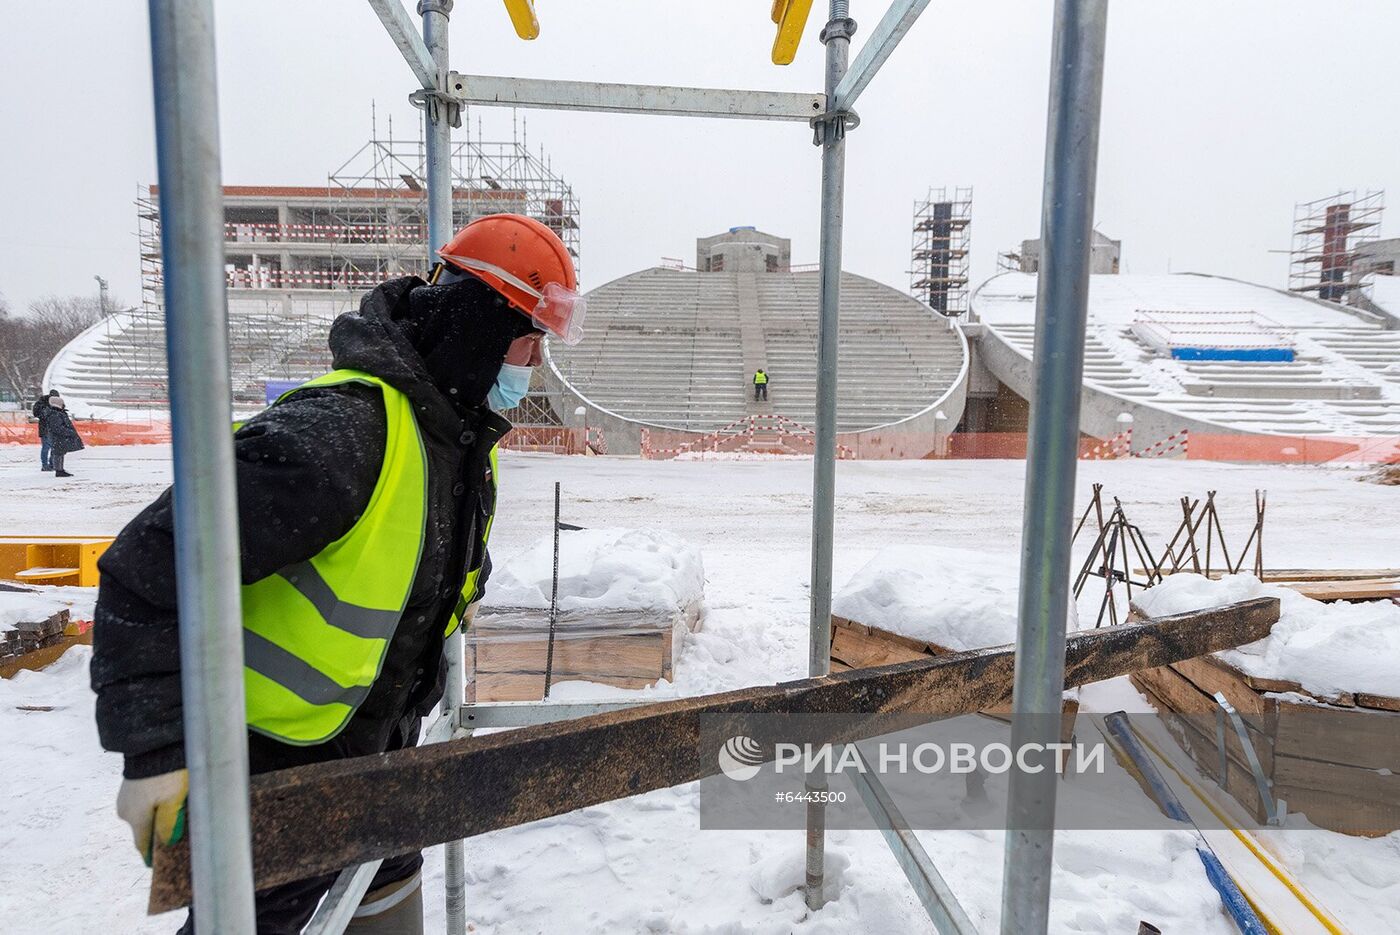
[[1328, 234], [941, 244], [206, 534]]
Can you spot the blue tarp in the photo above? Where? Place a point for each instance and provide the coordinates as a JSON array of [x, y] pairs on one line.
[[275, 388], [1284, 354]]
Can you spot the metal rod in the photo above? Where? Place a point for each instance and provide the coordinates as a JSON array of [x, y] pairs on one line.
[[400, 28], [207, 562], [437, 129], [942, 906], [1066, 230], [888, 33], [833, 143], [338, 908], [553, 600], [655, 99]]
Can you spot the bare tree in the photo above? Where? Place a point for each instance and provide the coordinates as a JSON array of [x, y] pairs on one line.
[[28, 342]]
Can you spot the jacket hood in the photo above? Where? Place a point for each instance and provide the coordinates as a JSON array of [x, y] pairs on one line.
[[441, 345]]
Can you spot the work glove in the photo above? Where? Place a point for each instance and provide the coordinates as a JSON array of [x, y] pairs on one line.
[[155, 809]]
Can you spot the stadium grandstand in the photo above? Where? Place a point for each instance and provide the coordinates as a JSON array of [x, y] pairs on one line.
[[1207, 354], [671, 353]]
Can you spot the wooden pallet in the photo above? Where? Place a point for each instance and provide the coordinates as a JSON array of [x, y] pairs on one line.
[[1332, 758]]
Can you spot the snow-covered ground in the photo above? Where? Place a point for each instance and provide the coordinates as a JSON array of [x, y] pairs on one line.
[[643, 865]]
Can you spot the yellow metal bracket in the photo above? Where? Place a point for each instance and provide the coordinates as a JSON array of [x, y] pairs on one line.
[[791, 17], [522, 17]]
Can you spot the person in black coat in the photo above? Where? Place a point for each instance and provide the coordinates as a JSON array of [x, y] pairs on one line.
[[305, 471], [62, 437], [41, 406]]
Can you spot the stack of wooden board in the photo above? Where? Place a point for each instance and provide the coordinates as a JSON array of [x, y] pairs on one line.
[[507, 650], [35, 644], [1334, 584], [1335, 759]]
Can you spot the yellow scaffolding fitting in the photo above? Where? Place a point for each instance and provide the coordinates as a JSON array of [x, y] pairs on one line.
[[522, 17], [791, 17]]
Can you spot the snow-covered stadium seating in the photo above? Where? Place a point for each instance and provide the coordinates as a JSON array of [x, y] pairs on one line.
[[1343, 378], [677, 349]]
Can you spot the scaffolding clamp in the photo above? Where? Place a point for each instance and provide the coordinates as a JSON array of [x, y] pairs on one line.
[[833, 124], [436, 104]]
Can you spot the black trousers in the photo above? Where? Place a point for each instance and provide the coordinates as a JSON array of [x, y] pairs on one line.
[[285, 909], [760, 391]]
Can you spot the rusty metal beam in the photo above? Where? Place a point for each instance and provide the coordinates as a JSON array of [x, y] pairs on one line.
[[321, 818]]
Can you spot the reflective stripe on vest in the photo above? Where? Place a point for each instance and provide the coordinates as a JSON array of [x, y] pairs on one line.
[[315, 634], [469, 593]]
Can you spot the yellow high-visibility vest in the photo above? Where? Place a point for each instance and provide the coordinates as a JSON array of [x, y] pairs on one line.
[[760, 378], [315, 634]]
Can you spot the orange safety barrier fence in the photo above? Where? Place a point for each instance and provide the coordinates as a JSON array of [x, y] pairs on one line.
[[92, 432]]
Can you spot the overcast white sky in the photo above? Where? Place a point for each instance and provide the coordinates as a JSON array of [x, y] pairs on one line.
[[1217, 118]]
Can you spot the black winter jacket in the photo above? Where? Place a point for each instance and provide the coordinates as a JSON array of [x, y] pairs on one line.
[[56, 425], [306, 468], [41, 405]]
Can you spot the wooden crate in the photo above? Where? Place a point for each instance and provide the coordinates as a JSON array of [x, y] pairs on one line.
[[506, 650], [1334, 759]]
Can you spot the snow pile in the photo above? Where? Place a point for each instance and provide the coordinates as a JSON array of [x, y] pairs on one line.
[[43, 602], [1326, 648], [955, 598], [604, 569]]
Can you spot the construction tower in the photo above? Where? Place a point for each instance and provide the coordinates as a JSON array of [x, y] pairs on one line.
[[938, 273]]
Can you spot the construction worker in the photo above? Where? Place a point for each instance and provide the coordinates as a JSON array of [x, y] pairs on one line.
[[760, 385], [365, 498]]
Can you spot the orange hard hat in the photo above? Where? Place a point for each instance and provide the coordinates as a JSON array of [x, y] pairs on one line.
[[525, 262]]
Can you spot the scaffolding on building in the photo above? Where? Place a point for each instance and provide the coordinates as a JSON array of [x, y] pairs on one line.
[[380, 194], [296, 258], [942, 238], [1327, 234]]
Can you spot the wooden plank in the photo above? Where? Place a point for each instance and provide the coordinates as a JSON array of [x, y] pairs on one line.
[[1212, 675], [1367, 700], [1337, 812], [1279, 575], [635, 655], [861, 651], [1350, 737], [1343, 798], [320, 818], [1380, 590]]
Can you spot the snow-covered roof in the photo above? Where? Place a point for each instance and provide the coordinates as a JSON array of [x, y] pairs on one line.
[[1385, 292], [1344, 378]]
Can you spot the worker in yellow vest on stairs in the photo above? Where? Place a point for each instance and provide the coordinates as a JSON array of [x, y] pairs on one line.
[[760, 385]]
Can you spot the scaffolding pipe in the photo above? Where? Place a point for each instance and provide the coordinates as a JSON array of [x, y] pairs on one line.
[[207, 564], [1066, 231], [437, 129], [832, 135]]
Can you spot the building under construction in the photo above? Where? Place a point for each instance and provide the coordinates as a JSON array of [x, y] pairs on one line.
[[298, 256]]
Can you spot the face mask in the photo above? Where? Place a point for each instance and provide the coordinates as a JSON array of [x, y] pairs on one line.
[[511, 385]]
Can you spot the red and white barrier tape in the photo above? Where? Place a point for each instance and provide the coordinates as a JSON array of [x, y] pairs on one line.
[[1178, 442]]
